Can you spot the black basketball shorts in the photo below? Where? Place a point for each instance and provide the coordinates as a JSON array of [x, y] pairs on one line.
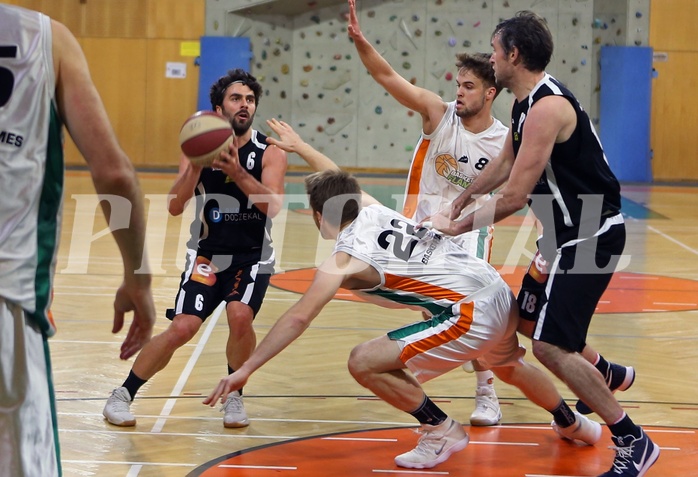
[[578, 277], [204, 285]]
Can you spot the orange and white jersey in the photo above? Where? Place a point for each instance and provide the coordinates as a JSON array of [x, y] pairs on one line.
[[470, 304], [418, 268], [444, 164]]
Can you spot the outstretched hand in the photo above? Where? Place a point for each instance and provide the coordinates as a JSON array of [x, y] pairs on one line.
[[353, 27], [227, 385], [135, 296], [289, 140]]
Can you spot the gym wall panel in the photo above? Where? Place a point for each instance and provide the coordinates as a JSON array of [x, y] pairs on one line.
[[68, 12], [175, 18], [169, 101], [118, 68], [673, 24], [674, 120], [110, 19]]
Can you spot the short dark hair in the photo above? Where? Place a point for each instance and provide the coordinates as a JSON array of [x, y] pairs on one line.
[[238, 75], [529, 33], [335, 194], [479, 64]]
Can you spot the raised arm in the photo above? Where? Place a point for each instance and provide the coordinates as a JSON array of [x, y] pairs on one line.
[[112, 173], [428, 104], [290, 141]]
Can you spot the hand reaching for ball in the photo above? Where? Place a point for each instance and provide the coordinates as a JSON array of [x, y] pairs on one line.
[[228, 161]]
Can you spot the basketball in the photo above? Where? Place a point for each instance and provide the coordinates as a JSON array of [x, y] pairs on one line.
[[203, 136], [444, 163]]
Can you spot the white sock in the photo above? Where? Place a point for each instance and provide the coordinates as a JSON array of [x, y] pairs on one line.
[[485, 378]]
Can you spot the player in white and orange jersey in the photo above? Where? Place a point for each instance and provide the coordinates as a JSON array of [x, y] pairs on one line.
[[458, 139], [388, 258]]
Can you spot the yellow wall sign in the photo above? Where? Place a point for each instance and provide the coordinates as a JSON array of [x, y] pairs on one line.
[[190, 48]]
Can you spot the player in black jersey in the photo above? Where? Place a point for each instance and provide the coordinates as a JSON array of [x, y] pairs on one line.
[[554, 162], [229, 258]]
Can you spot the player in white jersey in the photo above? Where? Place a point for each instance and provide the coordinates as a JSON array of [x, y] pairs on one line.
[[458, 139], [386, 256], [45, 83], [447, 160]]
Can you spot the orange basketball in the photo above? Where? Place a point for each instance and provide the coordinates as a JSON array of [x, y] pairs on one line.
[[444, 163], [203, 136]]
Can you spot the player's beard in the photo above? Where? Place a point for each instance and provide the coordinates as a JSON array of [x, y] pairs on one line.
[[240, 127], [470, 111]]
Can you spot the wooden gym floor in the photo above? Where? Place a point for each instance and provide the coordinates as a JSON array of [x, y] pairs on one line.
[[308, 416]]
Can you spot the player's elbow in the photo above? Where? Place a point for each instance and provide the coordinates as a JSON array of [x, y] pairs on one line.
[[299, 322], [118, 178]]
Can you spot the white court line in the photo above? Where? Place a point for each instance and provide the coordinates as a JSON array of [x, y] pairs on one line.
[[551, 475], [177, 434], [492, 443], [177, 390], [541, 427], [116, 462], [669, 431], [264, 467], [268, 419], [362, 439], [671, 239]]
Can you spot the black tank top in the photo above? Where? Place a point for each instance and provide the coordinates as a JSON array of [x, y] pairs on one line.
[[576, 167], [226, 222]]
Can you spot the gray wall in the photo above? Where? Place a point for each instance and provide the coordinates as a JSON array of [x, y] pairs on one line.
[[314, 80]]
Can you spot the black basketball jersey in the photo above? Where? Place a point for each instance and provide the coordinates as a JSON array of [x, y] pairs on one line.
[[226, 220], [576, 177]]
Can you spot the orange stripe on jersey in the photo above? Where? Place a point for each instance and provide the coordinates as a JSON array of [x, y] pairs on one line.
[[395, 282], [451, 334], [415, 177]]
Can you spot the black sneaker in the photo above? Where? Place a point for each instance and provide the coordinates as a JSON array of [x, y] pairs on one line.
[[618, 378], [634, 456]]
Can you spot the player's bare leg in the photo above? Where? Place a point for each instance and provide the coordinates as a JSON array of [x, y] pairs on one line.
[[376, 365]]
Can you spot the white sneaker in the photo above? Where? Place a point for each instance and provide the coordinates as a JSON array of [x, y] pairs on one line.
[[235, 415], [117, 410], [435, 446], [583, 430], [487, 411]]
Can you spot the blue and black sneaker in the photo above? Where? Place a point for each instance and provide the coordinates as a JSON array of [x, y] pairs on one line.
[[634, 456]]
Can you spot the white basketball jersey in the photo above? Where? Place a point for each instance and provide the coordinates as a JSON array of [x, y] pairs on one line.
[[446, 162], [418, 269], [31, 162]]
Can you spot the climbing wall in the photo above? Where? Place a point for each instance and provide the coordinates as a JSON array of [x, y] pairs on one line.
[[313, 77]]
